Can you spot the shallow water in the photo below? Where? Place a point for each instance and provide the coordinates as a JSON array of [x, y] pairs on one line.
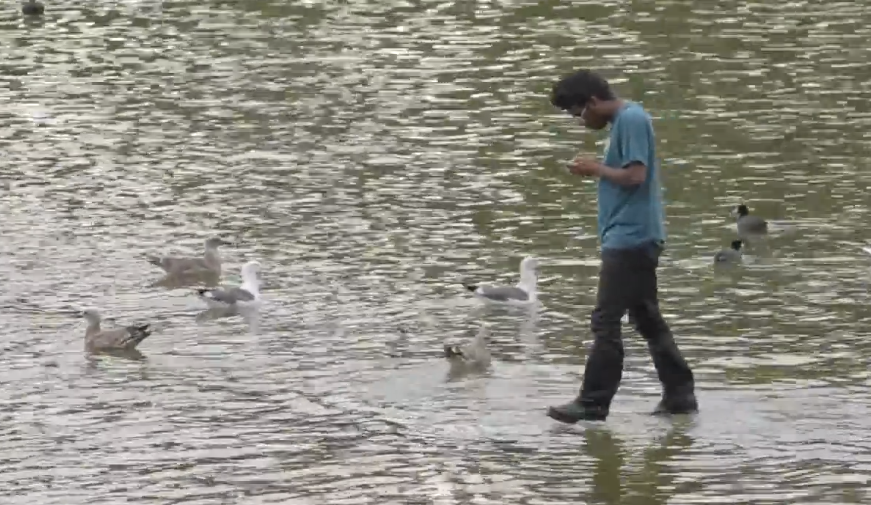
[[374, 155]]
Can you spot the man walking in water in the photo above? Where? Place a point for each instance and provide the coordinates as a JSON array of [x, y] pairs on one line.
[[632, 236]]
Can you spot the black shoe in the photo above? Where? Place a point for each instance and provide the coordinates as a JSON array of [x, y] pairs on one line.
[[683, 404], [573, 412]]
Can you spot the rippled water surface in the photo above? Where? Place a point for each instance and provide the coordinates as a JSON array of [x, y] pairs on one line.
[[373, 155]]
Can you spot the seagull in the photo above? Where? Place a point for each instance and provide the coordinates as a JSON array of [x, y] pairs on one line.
[[210, 263], [523, 293], [246, 296], [117, 339], [472, 357]]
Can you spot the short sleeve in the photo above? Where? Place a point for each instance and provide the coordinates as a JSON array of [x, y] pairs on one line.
[[635, 139]]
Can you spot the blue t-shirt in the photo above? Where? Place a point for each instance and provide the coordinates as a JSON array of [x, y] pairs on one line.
[[630, 216]]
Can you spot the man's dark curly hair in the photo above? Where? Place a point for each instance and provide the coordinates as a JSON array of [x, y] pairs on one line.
[[578, 88]]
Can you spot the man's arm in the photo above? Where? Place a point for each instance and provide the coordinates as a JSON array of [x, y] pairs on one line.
[[633, 137], [633, 174]]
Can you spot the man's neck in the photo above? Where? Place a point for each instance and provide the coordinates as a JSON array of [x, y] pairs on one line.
[[615, 106]]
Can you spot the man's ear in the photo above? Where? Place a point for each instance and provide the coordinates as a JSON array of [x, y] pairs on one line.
[[593, 103]]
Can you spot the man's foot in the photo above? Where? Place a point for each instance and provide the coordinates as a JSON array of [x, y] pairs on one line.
[[682, 404], [573, 412]]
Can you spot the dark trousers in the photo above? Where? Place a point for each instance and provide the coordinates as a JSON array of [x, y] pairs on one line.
[[627, 283]]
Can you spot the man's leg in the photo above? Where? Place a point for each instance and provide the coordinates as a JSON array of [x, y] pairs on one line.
[[674, 373], [604, 367]]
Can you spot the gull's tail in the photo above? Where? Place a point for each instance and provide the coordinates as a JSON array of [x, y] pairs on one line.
[[452, 351], [138, 333], [205, 293], [472, 287]]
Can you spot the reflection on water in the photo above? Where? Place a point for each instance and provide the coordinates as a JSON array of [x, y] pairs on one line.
[[131, 354], [376, 155]]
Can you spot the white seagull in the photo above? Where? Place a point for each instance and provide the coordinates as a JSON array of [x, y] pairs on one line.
[[246, 296], [523, 293]]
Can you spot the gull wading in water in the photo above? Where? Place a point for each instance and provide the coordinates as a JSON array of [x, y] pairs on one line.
[[210, 263], [115, 339], [523, 293], [231, 300], [469, 358]]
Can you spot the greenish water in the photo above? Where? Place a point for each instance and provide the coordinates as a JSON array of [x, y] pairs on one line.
[[372, 155]]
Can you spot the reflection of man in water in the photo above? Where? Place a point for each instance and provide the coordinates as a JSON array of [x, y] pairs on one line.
[[632, 236]]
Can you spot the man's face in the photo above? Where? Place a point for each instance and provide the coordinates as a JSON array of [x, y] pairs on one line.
[[591, 114]]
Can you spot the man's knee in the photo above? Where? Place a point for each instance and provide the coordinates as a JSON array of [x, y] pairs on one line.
[[614, 296], [605, 324], [648, 321]]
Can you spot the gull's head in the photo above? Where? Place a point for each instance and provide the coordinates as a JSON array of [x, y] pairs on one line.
[[529, 265], [92, 316], [251, 271], [215, 242]]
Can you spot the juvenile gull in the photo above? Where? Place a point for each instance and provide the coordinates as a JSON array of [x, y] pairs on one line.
[[747, 223], [472, 357], [245, 296], [731, 255], [524, 292], [210, 263], [117, 339]]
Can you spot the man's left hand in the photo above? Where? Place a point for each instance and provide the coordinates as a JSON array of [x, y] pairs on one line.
[[585, 167]]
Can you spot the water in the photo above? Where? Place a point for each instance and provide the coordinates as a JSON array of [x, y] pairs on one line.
[[374, 155]]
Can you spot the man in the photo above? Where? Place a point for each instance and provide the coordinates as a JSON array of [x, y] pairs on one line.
[[632, 235]]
